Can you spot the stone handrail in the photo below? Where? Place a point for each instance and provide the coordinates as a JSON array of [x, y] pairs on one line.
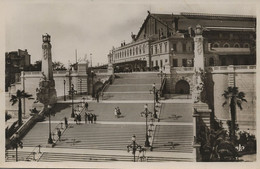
[[27, 125]]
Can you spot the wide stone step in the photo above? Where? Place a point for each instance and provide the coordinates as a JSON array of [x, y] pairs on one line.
[[128, 96], [173, 139], [131, 88], [136, 81], [59, 157]]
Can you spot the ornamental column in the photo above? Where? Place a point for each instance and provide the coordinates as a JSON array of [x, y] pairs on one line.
[[46, 93]]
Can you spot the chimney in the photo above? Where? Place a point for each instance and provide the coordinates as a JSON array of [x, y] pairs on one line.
[[175, 24]]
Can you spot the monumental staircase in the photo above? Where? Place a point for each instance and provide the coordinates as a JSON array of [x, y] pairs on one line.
[[171, 137], [132, 86]]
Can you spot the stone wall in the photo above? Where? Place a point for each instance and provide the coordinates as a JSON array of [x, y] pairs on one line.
[[246, 82]]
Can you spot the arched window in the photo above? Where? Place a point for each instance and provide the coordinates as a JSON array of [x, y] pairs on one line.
[[236, 45], [215, 45], [211, 62], [246, 45], [226, 45]]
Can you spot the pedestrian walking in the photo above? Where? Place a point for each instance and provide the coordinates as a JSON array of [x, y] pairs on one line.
[[118, 111], [86, 118], [79, 118], [91, 118], [115, 112], [95, 118], [86, 105], [97, 97], [66, 122], [76, 118], [59, 134]]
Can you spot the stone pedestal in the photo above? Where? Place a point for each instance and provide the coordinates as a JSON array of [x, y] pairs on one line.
[[167, 69]]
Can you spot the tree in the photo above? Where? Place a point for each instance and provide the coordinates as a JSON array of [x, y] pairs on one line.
[[18, 97], [58, 66], [236, 98]]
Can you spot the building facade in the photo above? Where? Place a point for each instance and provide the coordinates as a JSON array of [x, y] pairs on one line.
[[166, 42], [15, 62], [168, 39]]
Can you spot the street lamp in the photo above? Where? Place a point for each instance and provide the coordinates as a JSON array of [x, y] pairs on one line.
[[15, 144], [92, 77], [64, 82], [50, 141], [154, 91], [134, 146], [146, 113], [72, 92]]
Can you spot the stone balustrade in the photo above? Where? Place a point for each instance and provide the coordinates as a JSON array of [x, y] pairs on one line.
[[231, 68]]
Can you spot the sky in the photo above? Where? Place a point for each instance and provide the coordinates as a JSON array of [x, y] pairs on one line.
[[93, 26]]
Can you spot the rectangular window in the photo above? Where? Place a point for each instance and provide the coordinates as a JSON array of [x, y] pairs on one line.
[[160, 48], [152, 64], [174, 47], [155, 49], [175, 62], [161, 63], [156, 63], [184, 47], [165, 45], [151, 50], [184, 62]]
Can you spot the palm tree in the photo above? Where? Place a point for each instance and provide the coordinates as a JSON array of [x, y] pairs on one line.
[[236, 98], [18, 97]]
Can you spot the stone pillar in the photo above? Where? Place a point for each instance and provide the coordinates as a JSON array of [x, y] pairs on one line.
[[47, 58], [198, 65], [46, 93]]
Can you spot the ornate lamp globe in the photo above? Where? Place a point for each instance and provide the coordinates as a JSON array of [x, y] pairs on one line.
[[133, 138]]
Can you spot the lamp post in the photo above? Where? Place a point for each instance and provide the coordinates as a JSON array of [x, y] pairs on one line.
[[72, 92], [64, 82], [146, 113], [134, 146], [154, 92], [15, 144], [50, 141], [92, 77]]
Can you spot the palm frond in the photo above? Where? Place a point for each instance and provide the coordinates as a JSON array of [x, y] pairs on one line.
[[239, 104], [224, 103]]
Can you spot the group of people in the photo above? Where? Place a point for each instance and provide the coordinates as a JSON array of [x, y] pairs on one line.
[[77, 118], [117, 112], [90, 118]]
